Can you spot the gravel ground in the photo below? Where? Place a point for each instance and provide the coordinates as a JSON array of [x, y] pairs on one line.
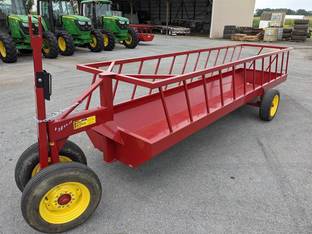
[[239, 175]]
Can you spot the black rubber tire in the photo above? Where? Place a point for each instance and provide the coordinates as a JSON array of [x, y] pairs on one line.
[[135, 39], [229, 28], [299, 33], [303, 27], [266, 104], [298, 38], [51, 177], [51, 41], [301, 21], [99, 41], [111, 41], [70, 45], [287, 30], [286, 35], [30, 159], [10, 47]]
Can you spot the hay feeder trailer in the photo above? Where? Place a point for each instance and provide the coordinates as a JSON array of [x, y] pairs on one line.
[[171, 96]]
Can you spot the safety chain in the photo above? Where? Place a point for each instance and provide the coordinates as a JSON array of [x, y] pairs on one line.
[[53, 115]]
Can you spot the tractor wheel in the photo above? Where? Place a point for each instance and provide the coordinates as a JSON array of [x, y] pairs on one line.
[[108, 41], [8, 51], [269, 105], [28, 166], [65, 43], [133, 39], [49, 45], [61, 197], [96, 44]]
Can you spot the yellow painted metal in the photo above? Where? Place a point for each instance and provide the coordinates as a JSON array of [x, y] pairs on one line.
[[63, 159], [274, 105], [3, 52], [53, 212], [106, 40], [93, 42], [61, 43], [129, 40]]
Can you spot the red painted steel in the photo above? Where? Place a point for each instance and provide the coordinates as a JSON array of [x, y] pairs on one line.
[[170, 97], [144, 31]]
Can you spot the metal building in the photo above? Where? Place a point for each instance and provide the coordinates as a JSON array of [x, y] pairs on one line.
[[203, 16]]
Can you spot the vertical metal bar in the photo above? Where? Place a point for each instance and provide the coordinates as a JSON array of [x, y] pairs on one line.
[[90, 96], [207, 60], [221, 88], [172, 65], [197, 60], [184, 66], [117, 81], [225, 55], [162, 97], [254, 75], [206, 94], [276, 66], [232, 56], [155, 73], [188, 100], [262, 76], [196, 64], [171, 69], [233, 82], [135, 86], [245, 78], [282, 64], [270, 68], [239, 53], [185, 63], [287, 59]]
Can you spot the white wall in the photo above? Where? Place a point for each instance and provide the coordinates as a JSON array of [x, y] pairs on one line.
[[230, 12]]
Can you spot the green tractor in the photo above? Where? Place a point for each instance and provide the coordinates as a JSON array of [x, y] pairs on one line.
[[102, 18], [14, 32], [70, 29]]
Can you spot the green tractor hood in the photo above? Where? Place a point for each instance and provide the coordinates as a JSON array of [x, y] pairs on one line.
[[77, 17], [119, 19], [24, 18]]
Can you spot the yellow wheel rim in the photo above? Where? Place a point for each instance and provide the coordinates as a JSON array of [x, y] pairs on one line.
[[274, 105], [61, 43], [129, 40], [46, 48], [3, 52], [37, 169], [106, 40], [64, 203], [93, 42]]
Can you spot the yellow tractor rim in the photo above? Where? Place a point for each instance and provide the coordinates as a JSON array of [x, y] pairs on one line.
[[129, 40], [3, 52], [93, 42], [106, 40], [61, 43], [46, 48], [37, 169], [64, 203], [274, 105]]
